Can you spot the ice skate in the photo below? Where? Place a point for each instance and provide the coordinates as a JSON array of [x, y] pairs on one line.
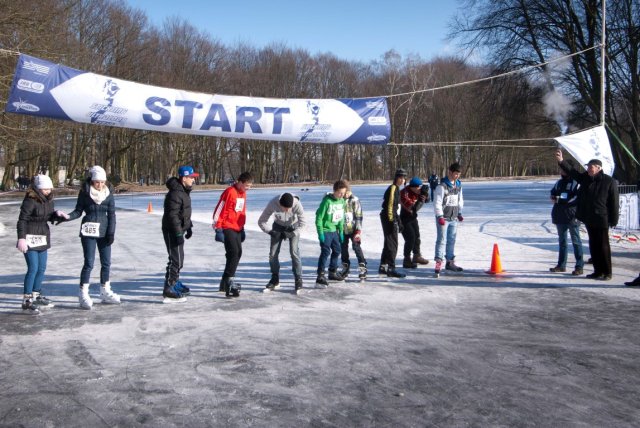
[[321, 281], [274, 283], [382, 270], [183, 289], [83, 297], [437, 268], [108, 297], [28, 306], [171, 295], [41, 302], [335, 276], [407, 263], [298, 285], [362, 272], [232, 288], [346, 267], [393, 273], [418, 259], [452, 266]]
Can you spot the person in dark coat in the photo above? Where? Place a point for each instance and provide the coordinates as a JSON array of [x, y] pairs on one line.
[[597, 208], [98, 229], [391, 226], [34, 239], [564, 195], [176, 227]]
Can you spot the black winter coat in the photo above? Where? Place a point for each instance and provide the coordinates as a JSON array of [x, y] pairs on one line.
[[36, 210], [598, 204], [565, 193], [177, 208], [104, 213]]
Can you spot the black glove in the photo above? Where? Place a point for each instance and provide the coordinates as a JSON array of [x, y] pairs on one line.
[[289, 229], [243, 235], [109, 239], [424, 191], [219, 235], [274, 233], [179, 239], [400, 227], [290, 234], [58, 220], [188, 234]]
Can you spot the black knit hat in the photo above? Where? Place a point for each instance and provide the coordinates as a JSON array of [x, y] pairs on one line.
[[401, 172], [286, 200]]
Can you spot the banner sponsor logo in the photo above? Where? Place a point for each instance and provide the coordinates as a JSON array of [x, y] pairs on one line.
[[65, 93], [20, 105]]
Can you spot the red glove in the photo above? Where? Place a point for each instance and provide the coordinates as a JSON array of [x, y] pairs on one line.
[[441, 221], [460, 218], [356, 236]]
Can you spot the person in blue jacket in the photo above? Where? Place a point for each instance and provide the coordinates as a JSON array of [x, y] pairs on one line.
[[97, 230], [564, 195]]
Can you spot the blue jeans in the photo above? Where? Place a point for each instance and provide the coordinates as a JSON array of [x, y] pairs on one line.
[[450, 230], [89, 250], [274, 253], [330, 247], [574, 232], [36, 265]]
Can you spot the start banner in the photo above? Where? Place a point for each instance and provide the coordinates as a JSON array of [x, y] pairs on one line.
[[41, 88]]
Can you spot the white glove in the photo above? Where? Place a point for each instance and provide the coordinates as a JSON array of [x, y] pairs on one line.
[[22, 246], [62, 215]]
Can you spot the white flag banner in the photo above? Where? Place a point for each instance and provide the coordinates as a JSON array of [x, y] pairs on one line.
[[590, 144], [41, 88]]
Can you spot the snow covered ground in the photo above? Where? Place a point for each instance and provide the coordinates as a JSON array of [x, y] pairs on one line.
[[525, 348]]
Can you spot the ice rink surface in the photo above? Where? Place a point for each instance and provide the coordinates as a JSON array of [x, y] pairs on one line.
[[524, 348]]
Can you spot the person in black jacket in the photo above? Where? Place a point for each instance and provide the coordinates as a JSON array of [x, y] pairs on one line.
[[564, 195], [391, 226], [98, 229], [34, 239], [176, 227], [597, 208]]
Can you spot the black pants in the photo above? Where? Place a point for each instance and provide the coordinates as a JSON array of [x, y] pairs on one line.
[[600, 249], [233, 249], [357, 248], [390, 246], [411, 235], [176, 257]]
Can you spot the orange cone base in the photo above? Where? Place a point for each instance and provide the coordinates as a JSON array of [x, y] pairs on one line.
[[496, 264]]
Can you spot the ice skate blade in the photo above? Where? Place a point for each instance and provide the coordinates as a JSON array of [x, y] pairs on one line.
[[170, 300]]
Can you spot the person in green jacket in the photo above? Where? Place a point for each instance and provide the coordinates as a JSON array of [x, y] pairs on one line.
[[330, 227]]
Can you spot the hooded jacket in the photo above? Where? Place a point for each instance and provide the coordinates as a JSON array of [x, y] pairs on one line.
[[103, 213], [447, 199], [282, 219], [231, 210], [330, 215], [176, 218], [36, 210]]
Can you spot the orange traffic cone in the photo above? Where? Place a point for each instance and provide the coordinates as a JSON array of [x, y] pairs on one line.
[[149, 207], [496, 264]]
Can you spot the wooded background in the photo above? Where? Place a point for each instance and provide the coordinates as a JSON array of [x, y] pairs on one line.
[[430, 129]]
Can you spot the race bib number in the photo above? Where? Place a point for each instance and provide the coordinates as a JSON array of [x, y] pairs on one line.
[[90, 229], [338, 215], [239, 204], [564, 195], [451, 201], [348, 217], [36, 240]]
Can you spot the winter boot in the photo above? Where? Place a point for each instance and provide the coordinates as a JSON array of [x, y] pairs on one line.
[[40, 300], [417, 258], [335, 276], [83, 297], [346, 267], [183, 289], [221, 286], [438, 267], [393, 273], [108, 296], [557, 269], [298, 284], [362, 271], [274, 282], [27, 305], [451, 265], [321, 281], [407, 263], [232, 288]]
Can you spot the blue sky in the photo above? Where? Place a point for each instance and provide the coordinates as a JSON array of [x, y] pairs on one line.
[[350, 29]]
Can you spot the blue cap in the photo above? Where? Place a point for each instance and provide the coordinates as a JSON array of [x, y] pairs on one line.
[[187, 171], [415, 182]]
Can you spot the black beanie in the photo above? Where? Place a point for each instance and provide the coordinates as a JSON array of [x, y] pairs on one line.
[[286, 200]]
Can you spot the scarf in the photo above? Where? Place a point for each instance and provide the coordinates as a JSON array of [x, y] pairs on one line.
[[98, 196]]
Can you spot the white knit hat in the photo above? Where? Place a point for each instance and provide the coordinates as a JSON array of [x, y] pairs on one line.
[[98, 173], [42, 182]]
